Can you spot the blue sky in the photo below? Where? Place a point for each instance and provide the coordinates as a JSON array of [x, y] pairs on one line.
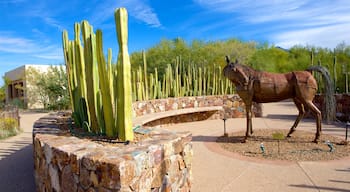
[[30, 30]]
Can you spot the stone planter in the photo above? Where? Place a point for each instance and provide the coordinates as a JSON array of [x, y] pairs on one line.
[[160, 162]]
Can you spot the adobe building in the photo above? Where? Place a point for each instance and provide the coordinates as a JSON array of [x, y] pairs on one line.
[[17, 85]]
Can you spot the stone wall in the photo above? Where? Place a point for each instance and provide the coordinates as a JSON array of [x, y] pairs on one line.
[[198, 116], [160, 162], [342, 108], [232, 104]]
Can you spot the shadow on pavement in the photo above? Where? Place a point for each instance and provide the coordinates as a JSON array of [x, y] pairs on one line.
[[343, 170], [339, 181], [319, 188], [17, 171], [204, 138], [281, 116]]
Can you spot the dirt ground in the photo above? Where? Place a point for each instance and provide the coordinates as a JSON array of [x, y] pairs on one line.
[[299, 147]]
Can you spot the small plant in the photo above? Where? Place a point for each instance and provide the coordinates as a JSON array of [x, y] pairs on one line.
[[262, 148], [8, 127], [278, 136]]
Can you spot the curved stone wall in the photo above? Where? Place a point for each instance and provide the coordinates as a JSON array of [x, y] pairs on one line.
[[232, 104], [160, 162]]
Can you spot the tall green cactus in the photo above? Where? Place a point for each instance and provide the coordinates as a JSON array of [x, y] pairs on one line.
[[106, 92], [91, 77], [100, 97], [145, 75], [124, 102]]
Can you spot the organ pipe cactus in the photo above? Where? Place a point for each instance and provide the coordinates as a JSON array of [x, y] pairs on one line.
[[145, 75], [106, 92], [124, 102], [179, 80], [100, 97]]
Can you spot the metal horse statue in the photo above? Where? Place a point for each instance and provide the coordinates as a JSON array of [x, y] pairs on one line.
[[263, 87]]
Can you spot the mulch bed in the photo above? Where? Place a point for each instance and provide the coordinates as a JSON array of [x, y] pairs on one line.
[[299, 147]]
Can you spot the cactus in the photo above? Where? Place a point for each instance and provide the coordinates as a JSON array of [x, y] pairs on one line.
[[105, 82], [179, 80], [124, 102], [146, 90], [74, 58], [91, 77], [94, 83], [200, 88], [152, 85]]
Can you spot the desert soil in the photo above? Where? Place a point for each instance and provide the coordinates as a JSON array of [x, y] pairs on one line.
[[299, 147]]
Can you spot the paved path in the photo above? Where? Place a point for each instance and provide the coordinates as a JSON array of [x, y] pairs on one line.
[[218, 170], [213, 169], [16, 158]]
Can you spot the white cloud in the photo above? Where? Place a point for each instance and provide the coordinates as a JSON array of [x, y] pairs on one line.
[[29, 47], [17, 45], [136, 8], [52, 53], [145, 13], [288, 22], [52, 22], [327, 36]]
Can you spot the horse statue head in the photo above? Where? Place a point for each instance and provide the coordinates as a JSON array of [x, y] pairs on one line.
[[235, 73]]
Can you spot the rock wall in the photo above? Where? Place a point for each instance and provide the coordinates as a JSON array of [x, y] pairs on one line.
[[232, 104], [342, 106], [160, 162]]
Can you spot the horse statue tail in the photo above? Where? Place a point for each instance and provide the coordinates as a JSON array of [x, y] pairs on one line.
[[329, 102]]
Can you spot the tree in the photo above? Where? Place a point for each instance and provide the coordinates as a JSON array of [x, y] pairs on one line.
[[2, 96], [197, 52], [48, 88]]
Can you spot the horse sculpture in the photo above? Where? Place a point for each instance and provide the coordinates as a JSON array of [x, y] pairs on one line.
[[263, 87]]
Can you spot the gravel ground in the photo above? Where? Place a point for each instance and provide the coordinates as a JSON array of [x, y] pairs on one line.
[[299, 147]]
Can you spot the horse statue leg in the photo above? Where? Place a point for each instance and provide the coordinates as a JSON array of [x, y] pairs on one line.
[[315, 111], [301, 114], [249, 130], [318, 116]]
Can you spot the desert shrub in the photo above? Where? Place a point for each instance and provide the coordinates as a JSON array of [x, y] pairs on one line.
[[8, 127], [17, 102]]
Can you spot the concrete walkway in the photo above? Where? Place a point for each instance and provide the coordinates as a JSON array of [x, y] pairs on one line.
[[16, 158], [217, 170], [213, 169]]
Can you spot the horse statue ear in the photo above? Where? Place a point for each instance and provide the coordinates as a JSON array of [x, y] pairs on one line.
[[227, 60]]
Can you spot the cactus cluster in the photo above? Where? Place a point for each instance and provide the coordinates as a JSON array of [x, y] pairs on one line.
[[180, 79], [99, 95]]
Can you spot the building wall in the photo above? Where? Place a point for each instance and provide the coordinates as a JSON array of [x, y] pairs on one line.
[[16, 79], [16, 88]]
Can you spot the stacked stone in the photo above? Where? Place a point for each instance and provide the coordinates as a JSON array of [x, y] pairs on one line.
[[162, 162], [233, 105], [342, 106], [191, 117]]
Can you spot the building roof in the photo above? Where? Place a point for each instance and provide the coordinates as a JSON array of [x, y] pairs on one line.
[[19, 72]]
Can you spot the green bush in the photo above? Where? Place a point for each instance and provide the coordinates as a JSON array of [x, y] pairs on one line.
[[8, 127], [18, 103]]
